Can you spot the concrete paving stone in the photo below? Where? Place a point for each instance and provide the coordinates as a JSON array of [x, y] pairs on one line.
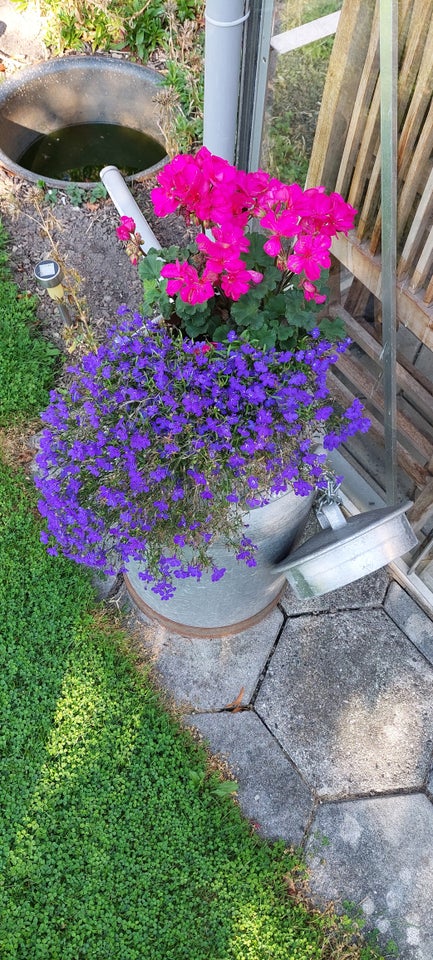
[[349, 699], [208, 674], [366, 592], [378, 854], [411, 619], [271, 793]]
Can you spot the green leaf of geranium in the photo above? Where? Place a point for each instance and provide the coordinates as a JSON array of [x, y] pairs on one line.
[[256, 256], [149, 267], [196, 320], [275, 307], [244, 310], [286, 334], [155, 299], [220, 333], [333, 329]]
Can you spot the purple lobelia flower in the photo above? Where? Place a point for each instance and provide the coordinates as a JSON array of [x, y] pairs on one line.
[[160, 445]]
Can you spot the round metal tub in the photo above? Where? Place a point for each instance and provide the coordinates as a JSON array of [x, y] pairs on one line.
[[75, 90]]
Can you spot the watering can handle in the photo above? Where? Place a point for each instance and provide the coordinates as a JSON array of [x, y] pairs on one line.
[[327, 507], [330, 515]]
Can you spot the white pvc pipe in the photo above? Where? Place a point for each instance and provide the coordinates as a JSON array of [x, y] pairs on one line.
[[127, 207], [224, 26]]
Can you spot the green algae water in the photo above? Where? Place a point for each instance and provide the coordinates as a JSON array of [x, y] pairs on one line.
[[77, 153]]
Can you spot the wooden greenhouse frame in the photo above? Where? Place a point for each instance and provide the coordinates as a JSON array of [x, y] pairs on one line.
[[374, 145]]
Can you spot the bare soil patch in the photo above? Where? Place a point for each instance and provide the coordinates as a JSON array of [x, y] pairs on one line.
[[97, 270]]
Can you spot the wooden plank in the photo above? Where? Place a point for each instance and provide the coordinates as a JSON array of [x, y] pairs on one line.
[[420, 157], [422, 509], [356, 258], [345, 396], [415, 82], [366, 179], [356, 299], [412, 311], [412, 53], [306, 33], [406, 378], [368, 150], [346, 157], [367, 386], [341, 86], [361, 108], [428, 296], [418, 228], [371, 208], [423, 267]]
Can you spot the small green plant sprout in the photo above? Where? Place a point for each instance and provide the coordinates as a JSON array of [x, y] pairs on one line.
[[50, 194], [225, 788], [76, 194], [98, 192], [218, 788], [321, 838], [80, 195], [196, 779]]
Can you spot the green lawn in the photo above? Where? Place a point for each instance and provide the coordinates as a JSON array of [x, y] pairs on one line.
[[115, 843]]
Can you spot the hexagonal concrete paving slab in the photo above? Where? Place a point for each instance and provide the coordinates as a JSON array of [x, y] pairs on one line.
[[271, 793], [378, 853], [335, 704], [366, 592], [207, 674], [349, 699]]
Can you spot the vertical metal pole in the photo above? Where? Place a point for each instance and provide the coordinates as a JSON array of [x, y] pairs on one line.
[[388, 138]]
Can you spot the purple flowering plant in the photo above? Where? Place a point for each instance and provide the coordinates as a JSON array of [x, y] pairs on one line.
[[159, 445]]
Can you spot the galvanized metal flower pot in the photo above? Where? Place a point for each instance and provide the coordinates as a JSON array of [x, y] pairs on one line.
[[245, 595]]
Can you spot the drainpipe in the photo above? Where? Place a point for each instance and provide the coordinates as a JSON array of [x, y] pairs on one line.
[[127, 207], [224, 27]]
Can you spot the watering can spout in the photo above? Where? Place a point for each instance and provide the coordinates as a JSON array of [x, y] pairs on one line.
[[348, 549]]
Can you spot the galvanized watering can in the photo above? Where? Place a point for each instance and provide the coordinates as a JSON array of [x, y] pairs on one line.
[[342, 552], [346, 550]]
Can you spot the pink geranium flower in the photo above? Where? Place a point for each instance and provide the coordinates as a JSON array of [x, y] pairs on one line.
[[182, 278], [126, 227], [311, 292], [248, 224], [311, 255], [238, 282]]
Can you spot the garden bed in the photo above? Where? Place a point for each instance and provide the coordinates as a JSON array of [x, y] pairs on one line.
[[97, 269]]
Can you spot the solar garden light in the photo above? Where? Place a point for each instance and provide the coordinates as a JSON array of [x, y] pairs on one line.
[[49, 276]]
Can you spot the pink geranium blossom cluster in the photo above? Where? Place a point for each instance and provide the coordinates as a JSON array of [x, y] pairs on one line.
[[257, 259], [298, 224]]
